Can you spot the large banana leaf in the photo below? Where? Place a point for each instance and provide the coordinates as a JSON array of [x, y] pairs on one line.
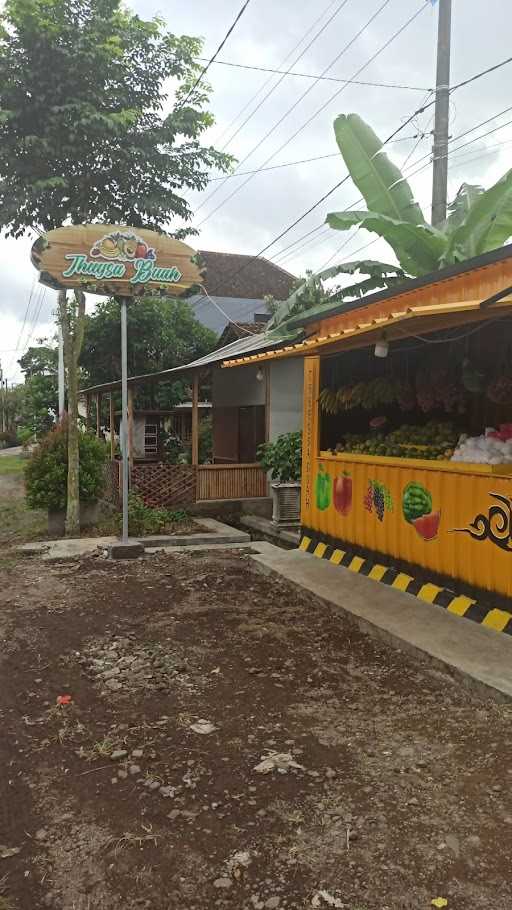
[[380, 182], [418, 247], [487, 225], [458, 210], [365, 266]]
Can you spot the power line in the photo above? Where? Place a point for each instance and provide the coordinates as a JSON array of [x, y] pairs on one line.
[[412, 174], [323, 106], [278, 83], [212, 59], [268, 69], [277, 167], [286, 114]]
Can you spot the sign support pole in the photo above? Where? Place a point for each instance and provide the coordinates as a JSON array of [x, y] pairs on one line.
[[124, 408]]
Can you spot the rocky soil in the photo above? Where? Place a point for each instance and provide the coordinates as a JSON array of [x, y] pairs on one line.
[[183, 732]]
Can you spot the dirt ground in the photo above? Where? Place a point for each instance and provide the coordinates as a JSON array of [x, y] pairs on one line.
[[392, 787]]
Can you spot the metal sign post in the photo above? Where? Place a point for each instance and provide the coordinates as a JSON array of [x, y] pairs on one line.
[[124, 417]]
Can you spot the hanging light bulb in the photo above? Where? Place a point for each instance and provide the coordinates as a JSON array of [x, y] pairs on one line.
[[382, 347], [259, 374]]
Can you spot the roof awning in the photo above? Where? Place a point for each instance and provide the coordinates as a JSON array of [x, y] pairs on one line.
[[397, 325]]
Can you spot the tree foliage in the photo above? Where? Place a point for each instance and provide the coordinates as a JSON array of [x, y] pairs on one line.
[[87, 132], [162, 334], [40, 398]]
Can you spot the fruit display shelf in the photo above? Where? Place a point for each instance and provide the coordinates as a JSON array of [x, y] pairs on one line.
[[453, 467]]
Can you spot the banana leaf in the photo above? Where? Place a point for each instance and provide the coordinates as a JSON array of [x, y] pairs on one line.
[[488, 224], [418, 247], [379, 181], [365, 266], [458, 210]]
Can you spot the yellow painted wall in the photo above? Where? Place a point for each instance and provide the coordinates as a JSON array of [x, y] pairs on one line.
[[462, 497]]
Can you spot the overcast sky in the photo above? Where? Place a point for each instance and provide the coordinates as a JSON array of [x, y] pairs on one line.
[[272, 200]]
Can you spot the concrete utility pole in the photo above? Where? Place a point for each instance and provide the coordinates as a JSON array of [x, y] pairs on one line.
[[442, 113]]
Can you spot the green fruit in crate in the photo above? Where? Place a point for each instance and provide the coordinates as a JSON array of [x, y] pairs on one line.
[[416, 502]]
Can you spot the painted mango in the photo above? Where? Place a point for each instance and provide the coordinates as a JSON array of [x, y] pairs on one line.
[[343, 494], [323, 490]]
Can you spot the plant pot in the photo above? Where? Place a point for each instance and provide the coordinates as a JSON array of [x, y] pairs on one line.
[[286, 503], [89, 514]]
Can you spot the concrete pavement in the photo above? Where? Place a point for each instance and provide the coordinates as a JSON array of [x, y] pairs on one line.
[[476, 657]]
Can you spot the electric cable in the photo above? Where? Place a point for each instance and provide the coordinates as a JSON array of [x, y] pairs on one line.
[[212, 59], [318, 111]]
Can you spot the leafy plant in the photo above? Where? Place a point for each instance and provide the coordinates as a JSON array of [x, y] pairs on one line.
[[142, 519], [46, 471], [283, 457], [479, 220]]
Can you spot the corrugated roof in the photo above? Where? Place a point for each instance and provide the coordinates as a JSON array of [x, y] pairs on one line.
[[243, 346], [452, 271], [429, 318]]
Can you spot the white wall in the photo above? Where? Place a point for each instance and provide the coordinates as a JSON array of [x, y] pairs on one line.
[[139, 435], [237, 387], [286, 393]]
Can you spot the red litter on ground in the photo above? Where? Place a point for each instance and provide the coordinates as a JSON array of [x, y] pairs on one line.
[[63, 699]]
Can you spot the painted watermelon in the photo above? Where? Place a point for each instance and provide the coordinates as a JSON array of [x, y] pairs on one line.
[[428, 525]]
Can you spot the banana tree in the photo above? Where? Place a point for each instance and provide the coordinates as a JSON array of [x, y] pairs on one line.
[[479, 220]]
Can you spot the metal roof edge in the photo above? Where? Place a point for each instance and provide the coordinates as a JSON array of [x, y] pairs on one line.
[[450, 271]]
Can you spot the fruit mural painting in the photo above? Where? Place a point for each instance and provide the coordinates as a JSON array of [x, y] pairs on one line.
[[323, 489], [343, 494], [122, 246], [378, 497], [417, 510]]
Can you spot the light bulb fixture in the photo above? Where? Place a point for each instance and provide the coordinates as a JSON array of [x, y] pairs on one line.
[[382, 347], [259, 374]]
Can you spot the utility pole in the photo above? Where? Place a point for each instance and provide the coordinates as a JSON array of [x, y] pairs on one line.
[[442, 113]]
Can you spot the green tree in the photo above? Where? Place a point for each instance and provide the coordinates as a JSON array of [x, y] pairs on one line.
[[40, 399], [479, 220], [162, 334], [88, 133]]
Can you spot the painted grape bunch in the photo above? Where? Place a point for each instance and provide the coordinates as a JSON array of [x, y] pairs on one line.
[[379, 498]]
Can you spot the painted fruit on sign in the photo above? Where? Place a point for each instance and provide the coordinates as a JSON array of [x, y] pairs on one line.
[[417, 509], [343, 494], [323, 489]]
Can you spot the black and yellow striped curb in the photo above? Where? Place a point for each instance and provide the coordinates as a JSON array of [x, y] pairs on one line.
[[459, 604]]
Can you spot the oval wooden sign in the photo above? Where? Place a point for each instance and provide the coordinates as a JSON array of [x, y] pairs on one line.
[[110, 259]]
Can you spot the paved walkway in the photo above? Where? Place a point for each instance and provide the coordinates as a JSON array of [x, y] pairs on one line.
[[14, 450], [476, 656]]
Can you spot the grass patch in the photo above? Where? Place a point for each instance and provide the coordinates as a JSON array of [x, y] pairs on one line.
[[11, 464]]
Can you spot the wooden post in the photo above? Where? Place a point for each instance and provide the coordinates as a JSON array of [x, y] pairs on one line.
[[130, 427], [112, 425], [195, 419], [98, 414], [266, 380]]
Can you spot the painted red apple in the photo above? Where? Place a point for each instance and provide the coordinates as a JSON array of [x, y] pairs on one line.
[[428, 525], [343, 494]]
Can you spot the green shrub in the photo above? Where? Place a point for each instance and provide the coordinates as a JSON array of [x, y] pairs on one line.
[[46, 472], [144, 520], [283, 457]]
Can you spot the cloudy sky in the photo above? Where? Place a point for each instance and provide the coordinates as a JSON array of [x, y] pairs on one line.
[[270, 201]]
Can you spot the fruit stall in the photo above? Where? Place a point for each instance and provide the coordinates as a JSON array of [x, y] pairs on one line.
[[407, 436]]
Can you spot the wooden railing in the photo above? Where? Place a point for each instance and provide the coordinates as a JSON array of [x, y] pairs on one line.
[[230, 481]]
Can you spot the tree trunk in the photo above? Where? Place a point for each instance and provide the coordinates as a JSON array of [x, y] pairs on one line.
[[72, 320]]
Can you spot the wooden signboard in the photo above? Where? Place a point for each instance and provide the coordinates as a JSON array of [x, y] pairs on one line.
[[115, 260]]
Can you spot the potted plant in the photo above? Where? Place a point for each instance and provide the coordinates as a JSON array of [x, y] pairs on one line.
[[283, 459], [46, 477]]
